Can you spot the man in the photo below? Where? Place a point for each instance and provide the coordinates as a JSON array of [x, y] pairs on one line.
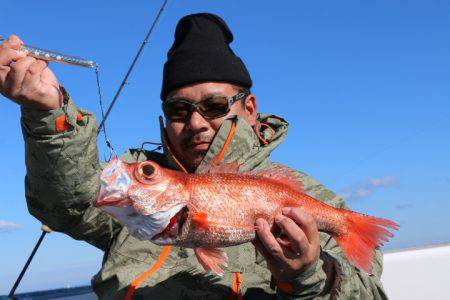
[[209, 112]]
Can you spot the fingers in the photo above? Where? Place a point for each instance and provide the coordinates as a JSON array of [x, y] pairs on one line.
[[299, 243], [9, 51], [261, 249], [8, 54], [271, 246], [15, 77], [13, 42], [305, 221], [32, 79], [289, 254], [37, 67], [26, 80]]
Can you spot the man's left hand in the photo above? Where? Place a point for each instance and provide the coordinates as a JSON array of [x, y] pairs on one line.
[[296, 249]]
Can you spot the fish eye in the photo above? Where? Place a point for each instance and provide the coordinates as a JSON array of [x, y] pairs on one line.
[[145, 172], [148, 170]]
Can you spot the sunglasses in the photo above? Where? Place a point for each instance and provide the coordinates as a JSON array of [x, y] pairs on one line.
[[210, 108]]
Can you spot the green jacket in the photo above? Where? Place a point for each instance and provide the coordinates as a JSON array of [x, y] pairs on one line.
[[63, 178]]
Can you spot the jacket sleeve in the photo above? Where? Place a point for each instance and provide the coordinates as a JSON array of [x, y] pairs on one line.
[[333, 277], [63, 173]]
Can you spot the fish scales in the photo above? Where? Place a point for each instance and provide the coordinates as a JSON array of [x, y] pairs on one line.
[[219, 208], [230, 202]]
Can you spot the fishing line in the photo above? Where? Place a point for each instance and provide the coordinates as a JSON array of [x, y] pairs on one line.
[[102, 124], [112, 152], [125, 79]]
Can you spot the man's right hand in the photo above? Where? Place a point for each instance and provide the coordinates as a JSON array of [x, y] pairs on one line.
[[26, 80]]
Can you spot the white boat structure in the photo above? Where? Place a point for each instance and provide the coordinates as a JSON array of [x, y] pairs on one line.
[[417, 273]]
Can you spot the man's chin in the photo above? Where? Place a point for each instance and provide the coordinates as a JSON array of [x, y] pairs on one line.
[[193, 160]]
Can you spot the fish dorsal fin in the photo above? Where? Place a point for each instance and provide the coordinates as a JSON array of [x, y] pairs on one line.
[[212, 259], [226, 167], [284, 175], [214, 166]]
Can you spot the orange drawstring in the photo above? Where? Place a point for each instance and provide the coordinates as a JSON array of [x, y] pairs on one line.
[[227, 143], [166, 249], [285, 287], [159, 262], [166, 144], [258, 127], [236, 292]]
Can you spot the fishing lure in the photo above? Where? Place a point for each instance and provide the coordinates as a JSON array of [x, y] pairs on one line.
[[56, 57]]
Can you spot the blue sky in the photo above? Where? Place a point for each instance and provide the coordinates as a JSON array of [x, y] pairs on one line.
[[363, 84]]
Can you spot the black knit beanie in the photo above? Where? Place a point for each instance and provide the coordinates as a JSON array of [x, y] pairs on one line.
[[200, 53]]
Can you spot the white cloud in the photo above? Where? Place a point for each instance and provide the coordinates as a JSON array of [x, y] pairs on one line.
[[366, 189], [6, 226], [382, 182]]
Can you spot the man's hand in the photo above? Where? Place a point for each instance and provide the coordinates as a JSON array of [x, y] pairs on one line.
[[26, 80], [296, 249]]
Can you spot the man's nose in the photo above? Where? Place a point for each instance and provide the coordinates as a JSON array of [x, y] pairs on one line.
[[196, 122]]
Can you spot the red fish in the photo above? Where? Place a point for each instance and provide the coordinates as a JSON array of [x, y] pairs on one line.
[[218, 208]]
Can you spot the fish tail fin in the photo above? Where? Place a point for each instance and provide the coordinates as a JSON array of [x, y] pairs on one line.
[[362, 234]]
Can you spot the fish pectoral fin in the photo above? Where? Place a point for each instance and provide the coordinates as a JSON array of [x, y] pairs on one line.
[[200, 218], [212, 259]]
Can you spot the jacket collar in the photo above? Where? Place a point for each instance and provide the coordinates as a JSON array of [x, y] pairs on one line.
[[246, 147]]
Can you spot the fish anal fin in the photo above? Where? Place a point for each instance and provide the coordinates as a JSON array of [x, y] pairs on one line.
[[212, 259], [283, 174]]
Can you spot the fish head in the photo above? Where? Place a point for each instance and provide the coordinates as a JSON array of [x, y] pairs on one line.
[[115, 182], [148, 199]]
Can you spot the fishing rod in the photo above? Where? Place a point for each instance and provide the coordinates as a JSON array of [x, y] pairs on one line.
[[45, 229], [124, 81], [49, 55]]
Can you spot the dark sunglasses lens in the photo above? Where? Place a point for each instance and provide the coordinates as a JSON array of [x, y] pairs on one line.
[[176, 110], [214, 107]]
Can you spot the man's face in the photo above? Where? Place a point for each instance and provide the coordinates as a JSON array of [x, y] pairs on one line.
[[191, 139]]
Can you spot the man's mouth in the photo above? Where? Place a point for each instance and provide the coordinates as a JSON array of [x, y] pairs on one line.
[[174, 228], [199, 145], [199, 141]]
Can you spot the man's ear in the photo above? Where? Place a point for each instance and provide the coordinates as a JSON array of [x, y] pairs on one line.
[[251, 109]]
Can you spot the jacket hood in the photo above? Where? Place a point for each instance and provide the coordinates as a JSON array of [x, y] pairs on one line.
[[246, 147]]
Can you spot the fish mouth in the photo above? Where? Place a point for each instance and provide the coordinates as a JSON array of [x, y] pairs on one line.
[[174, 229], [111, 201]]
